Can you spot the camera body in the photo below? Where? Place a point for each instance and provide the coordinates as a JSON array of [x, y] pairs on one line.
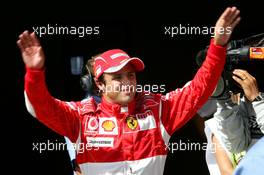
[[239, 52]]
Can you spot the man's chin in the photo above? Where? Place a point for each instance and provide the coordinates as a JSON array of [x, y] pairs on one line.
[[126, 99]]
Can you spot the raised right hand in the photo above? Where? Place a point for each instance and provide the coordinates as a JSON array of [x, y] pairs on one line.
[[225, 25], [31, 50]]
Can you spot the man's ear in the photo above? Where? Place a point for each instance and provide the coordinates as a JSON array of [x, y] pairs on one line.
[[100, 85]]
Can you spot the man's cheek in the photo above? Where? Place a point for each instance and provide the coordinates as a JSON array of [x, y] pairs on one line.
[[117, 87]]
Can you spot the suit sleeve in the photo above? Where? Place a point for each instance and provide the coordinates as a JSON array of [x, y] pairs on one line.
[[60, 116], [180, 106], [259, 109]]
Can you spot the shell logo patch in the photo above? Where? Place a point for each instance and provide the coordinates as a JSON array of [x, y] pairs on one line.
[[108, 125]]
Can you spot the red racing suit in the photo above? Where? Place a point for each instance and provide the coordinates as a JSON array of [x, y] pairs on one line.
[[115, 140]]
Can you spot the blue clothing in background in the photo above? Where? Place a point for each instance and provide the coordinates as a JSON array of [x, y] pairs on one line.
[[253, 162]]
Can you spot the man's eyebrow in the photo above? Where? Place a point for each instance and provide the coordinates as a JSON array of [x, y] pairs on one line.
[[129, 72], [124, 73]]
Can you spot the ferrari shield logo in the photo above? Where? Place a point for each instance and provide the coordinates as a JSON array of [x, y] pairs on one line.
[[132, 122]]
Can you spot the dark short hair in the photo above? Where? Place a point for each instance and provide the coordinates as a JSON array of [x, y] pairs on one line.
[[90, 68]]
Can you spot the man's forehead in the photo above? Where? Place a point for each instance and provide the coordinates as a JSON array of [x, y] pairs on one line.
[[126, 69]]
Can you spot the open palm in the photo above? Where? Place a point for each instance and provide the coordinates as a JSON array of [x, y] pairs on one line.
[[225, 25], [31, 50]]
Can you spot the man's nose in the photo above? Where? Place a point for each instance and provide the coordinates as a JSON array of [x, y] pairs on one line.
[[125, 80]]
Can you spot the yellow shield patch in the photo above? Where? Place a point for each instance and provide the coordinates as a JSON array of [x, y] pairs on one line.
[[132, 122]]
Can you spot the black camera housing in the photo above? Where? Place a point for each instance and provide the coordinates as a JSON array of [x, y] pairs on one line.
[[238, 54]]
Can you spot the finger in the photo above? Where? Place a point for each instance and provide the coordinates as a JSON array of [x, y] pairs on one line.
[[237, 20], [245, 74], [21, 36], [238, 80], [240, 73], [248, 75], [234, 16], [225, 15], [233, 98], [28, 39], [35, 40], [20, 45], [23, 39], [238, 97]]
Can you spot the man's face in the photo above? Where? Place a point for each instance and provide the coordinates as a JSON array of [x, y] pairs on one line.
[[120, 87]]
